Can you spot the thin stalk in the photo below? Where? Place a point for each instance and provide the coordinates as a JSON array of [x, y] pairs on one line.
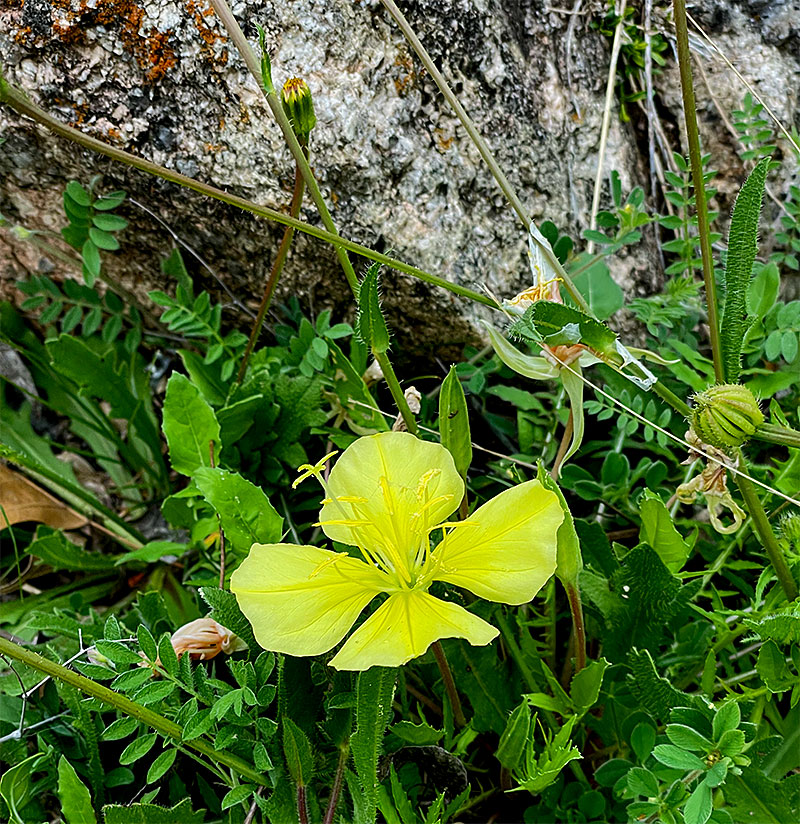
[[606, 123], [275, 273], [765, 533], [18, 101], [397, 392], [566, 439], [693, 141], [157, 722], [302, 804], [449, 684], [778, 434], [338, 781], [253, 63]]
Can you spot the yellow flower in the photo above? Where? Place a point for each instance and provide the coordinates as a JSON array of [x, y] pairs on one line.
[[386, 496]]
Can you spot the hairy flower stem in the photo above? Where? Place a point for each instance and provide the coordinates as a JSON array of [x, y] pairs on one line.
[[302, 804], [157, 722], [695, 159], [578, 626], [449, 683], [17, 100], [275, 273], [338, 781], [223, 12], [236, 34], [765, 533]]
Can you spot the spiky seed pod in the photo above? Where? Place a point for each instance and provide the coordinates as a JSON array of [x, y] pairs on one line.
[[299, 107], [726, 415]]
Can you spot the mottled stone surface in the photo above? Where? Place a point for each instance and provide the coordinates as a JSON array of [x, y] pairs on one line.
[[159, 78]]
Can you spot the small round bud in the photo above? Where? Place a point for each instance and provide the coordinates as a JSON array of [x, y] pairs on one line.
[[726, 415], [299, 107]]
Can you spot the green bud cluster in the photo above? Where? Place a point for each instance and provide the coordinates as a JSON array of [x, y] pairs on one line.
[[726, 415], [299, 107]]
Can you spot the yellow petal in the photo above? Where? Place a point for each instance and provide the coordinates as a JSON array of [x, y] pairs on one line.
[[404, 627], [302, 600], [405, 486], [506, 550]]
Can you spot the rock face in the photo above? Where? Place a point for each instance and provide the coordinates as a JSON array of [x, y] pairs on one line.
[[160, 78]]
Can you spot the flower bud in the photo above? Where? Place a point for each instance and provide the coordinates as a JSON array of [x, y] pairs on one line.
[[726, 415], [205, 638], [299, 107]]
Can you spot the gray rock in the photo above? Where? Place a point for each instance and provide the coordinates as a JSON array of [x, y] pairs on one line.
[[159, 78]]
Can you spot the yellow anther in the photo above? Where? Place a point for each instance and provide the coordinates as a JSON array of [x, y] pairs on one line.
[[425, 480], [350, 499], [335, 556], [307, 470], [343, 522]]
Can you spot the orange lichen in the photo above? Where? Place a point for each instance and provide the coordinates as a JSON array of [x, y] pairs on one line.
[[210, 35], [408, 78], [150, 49]]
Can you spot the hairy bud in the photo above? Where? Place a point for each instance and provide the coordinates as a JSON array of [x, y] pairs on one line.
[[726, 415]]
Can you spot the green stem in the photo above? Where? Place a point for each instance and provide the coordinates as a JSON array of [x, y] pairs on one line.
[[14, 98], [695, 159], [449, 683], [277, 268], [236, 34], [481, 144], [764, 530], [672, 399], [397, 392], [778, 434], [157, 722], [338, 782]]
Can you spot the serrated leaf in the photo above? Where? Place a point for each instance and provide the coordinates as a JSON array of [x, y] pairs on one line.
[[679, 759], [742, 249], [190, 426], [454, 422], [237, 795], [298, 753], [687, 738], [374, 692], [783, 627], [371, 326], [53, 547], [698, 807], [153, 814], [225, 610]]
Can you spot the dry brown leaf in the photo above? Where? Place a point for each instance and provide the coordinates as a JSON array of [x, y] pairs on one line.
[[23, 501]]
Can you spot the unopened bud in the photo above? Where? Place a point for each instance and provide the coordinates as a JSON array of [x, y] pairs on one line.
[[299, 107], [726, 415], [205, 638]]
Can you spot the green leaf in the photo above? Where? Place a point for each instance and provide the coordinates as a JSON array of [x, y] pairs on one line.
[[515, 737], [298, 753], [454, 422], [656, 694], [370, 325], [52, 547], [742, 249], [153, 814], [660, 533], [190, 426], [418, 735], [103, 240], [374, 693], [363, 416], [643, 739], [679, 759], [110, 201], [109, 223], [138, 748], [121, 728], [76, 802], [17, 788], [782, 627], [601, 291], [161, 765], [756, 799], [585, 687], [698, 807], [642, 782], [78, 193], [246, 515], [726, 718], [687, 738], [237, 795], [763, 291], [91, 260]]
